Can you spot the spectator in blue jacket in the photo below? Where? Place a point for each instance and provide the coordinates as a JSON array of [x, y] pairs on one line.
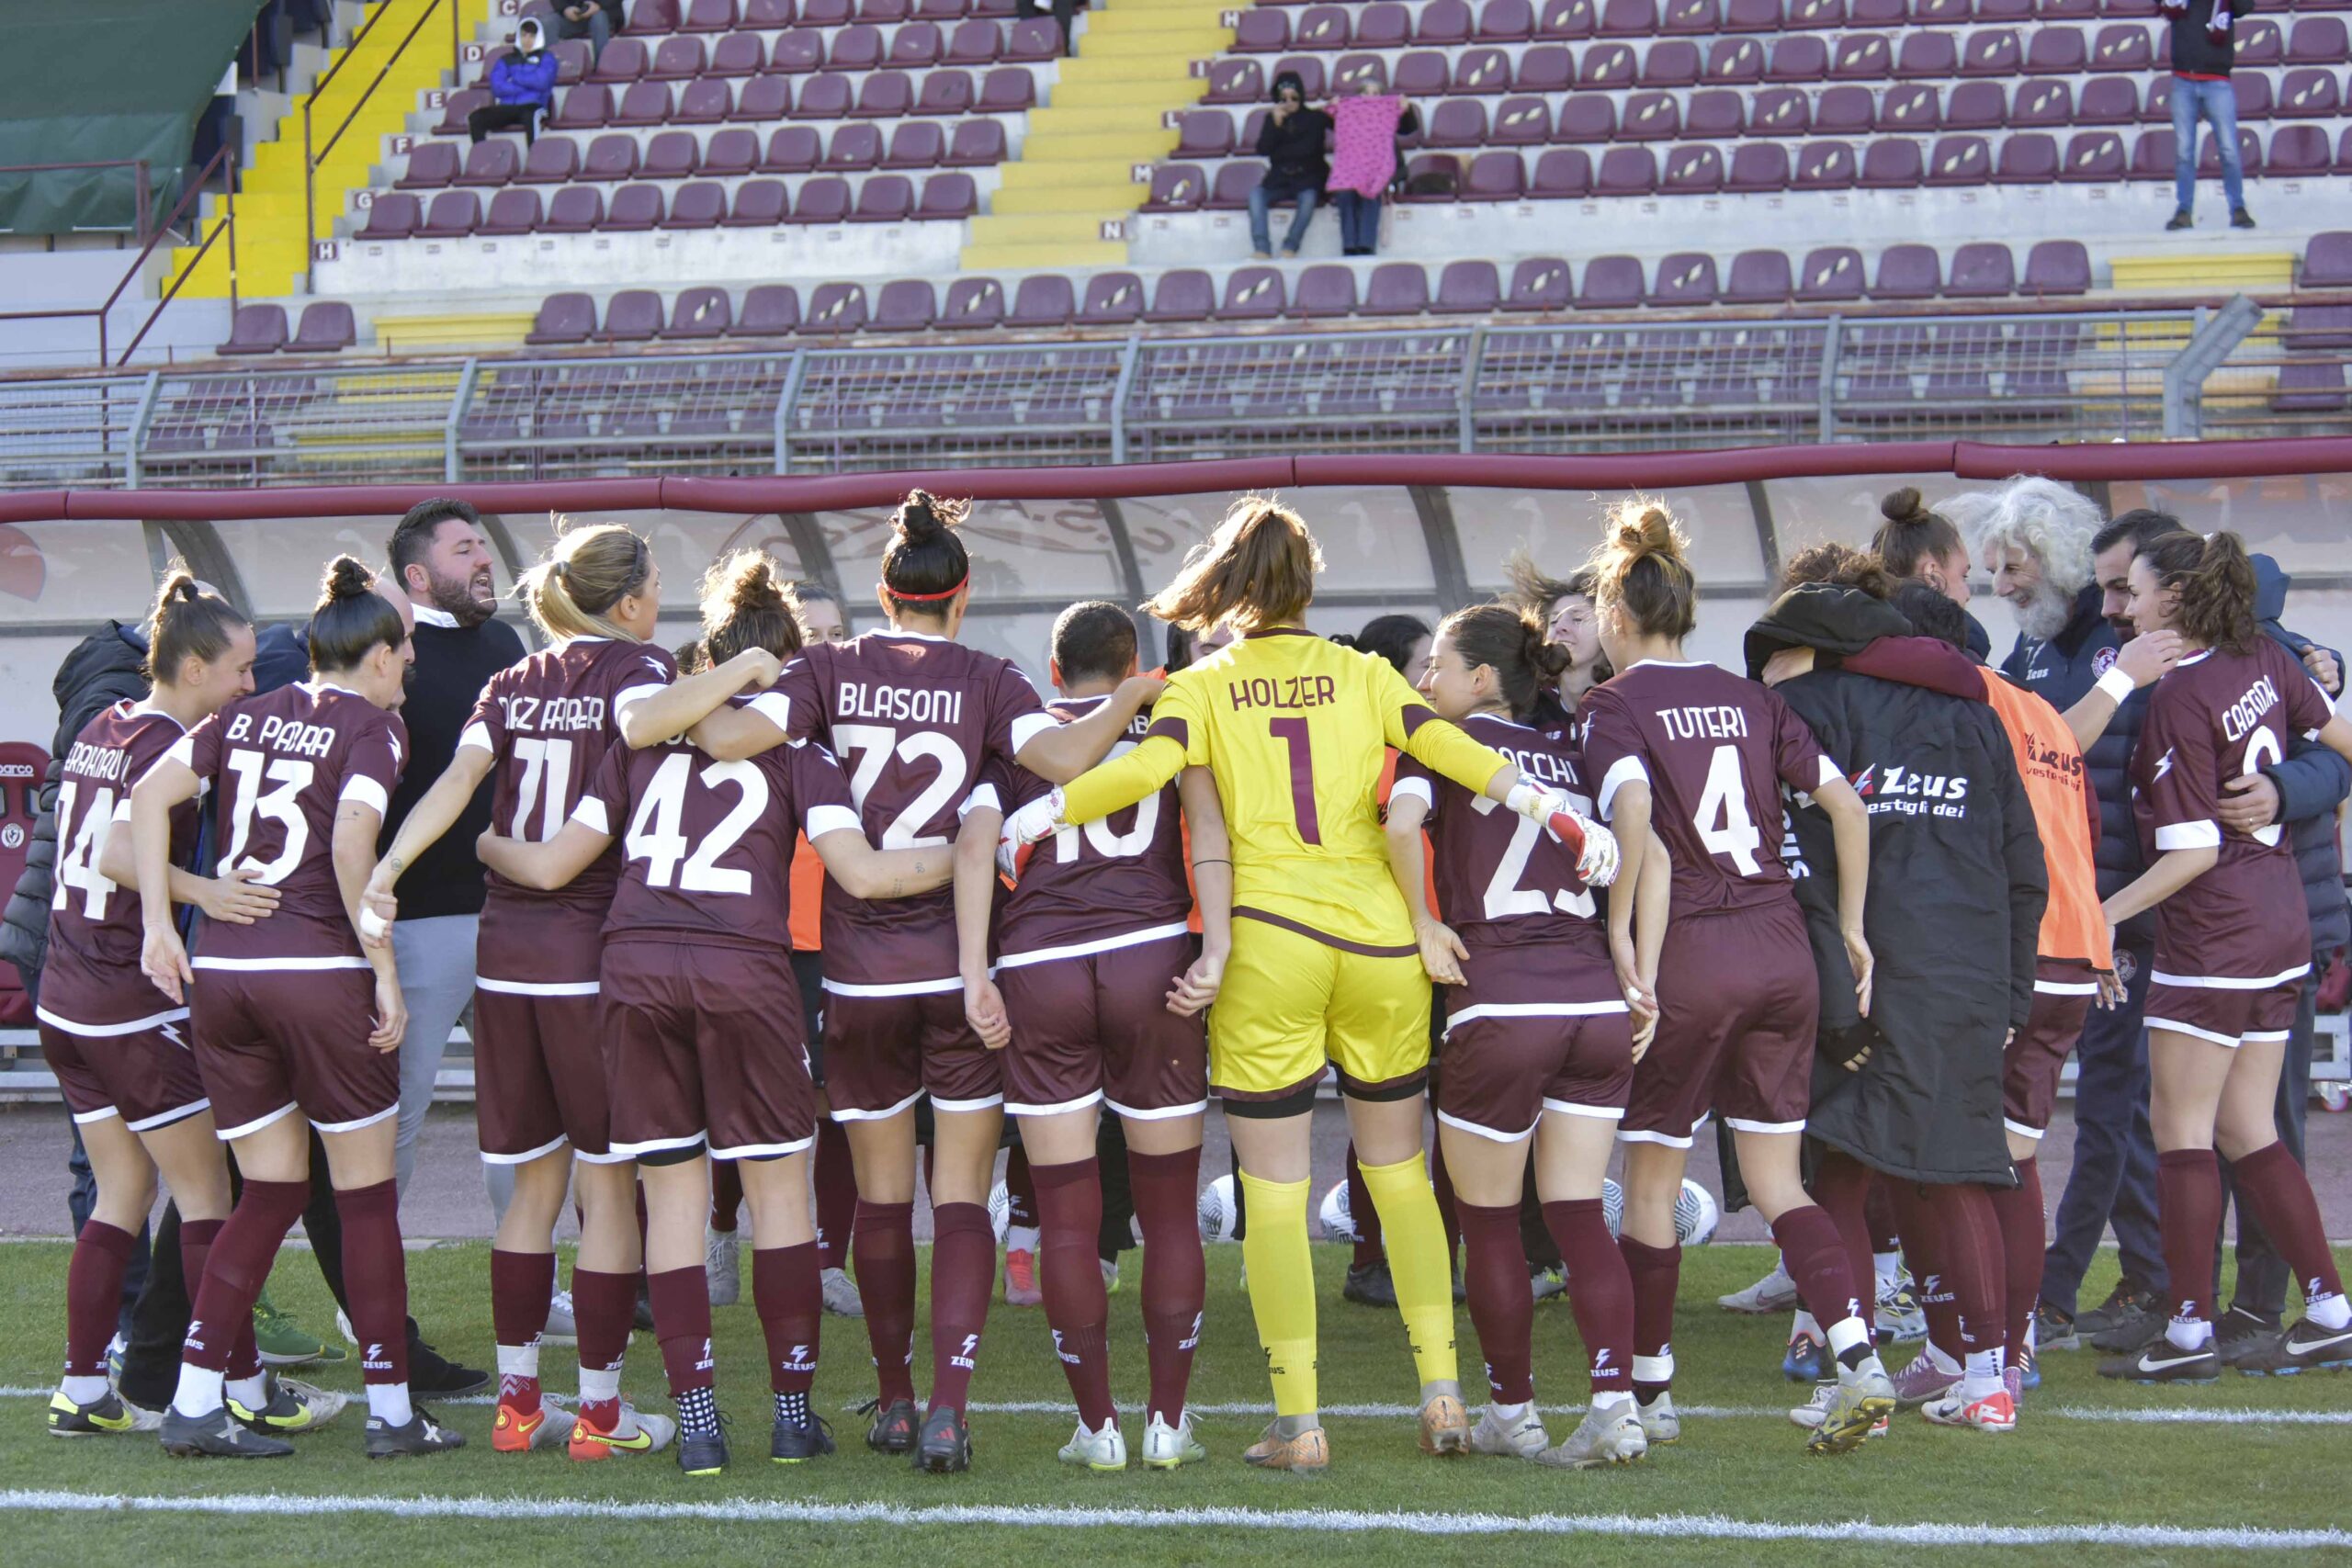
[[522, 86]]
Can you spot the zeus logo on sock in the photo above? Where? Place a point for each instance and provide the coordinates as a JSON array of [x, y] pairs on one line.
[[1600, 1359], [1192, 1341], [705, 1362], [798, 1360], [1068, 1360], [195, 1340], [374, 1360], [971, 1346]]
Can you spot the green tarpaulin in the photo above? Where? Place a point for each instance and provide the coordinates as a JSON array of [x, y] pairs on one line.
[[89, 81]]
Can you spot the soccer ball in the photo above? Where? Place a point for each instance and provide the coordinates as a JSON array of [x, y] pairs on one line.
[[1696, 1212], [1339, 1219], [1000, 1210], [1218, 1209]]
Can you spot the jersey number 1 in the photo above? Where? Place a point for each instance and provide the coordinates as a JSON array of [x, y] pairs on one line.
[[1292, 732]]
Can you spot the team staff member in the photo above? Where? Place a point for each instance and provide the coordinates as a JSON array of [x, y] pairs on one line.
[[1324, 971], [443, 561]]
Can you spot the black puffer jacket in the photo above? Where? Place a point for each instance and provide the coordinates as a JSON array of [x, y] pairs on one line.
[[2194, 50], [2311, 783], [1957, 890], [105, 668]]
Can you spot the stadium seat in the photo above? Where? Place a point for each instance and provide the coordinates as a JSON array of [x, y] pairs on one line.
[[1843, 111], [1396, 288], [1733, 62], [1252, 294], [1890, 164], [460, 104], [707, 100], [1752, 17], [452, 216], [677, 59], [433, 165], [973, 304], [1824, 165], [1781, 111], [1759, 277], [1981, 270], [734, 151], [1758, 167], [2057, 267], [1507, 21], [826, 95], [1650, 117], [947, 195], [671, 155], [1563, 171], [610, 159], [2310, 387], [915, 144], [945, 93], [2108, 100], [1670, 62], [1909, 108], [770, 310], [634, 209], [1627, 171], [854, 149], [2096, 157], [2297, 151], [327, 328], [633, 315], [1992, 52], [792, 150], [825, 199], [2040, 104], [2027, 158], [1908, 272], [1686, 278], [858, 48], [699, 204], [1325, 291], [834, 308], [1797, 59], [2308, 94], [255, 329], [1831, 275], [1586, 118], [564, 320], [1465, 288], [798, 53], [623, 60], [584, 107], [739, 55], [1008, 92], [1611, 283], [1112, 300], [1521, 122], [392, 216], [1539, 283], [1442, 22], [905, 305], [1043, 300], [514, 210], [758, 204], [1693, 170], [886, 198], [886, 94], [1977, 106], [1960, 160]]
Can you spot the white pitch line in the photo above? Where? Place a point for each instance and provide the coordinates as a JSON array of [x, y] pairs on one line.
[[2181, 1416], [1675, 1527]]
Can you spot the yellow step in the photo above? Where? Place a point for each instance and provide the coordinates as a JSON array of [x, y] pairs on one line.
[[1157, 69], [1024, 257], [489, 329], [1120, 22], [2205, 271], [1135, 97], [1039, 228], [1085, 120], [1103, 198], [1190, 44], [1122, 146]]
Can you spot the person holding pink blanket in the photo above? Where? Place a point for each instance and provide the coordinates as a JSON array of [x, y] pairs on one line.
[[1363, 162]]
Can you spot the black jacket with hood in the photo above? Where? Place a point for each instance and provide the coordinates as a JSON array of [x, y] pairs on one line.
[[1957, 890], [105, 668]]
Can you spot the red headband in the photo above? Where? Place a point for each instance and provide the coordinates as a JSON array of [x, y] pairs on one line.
[[961, 583]]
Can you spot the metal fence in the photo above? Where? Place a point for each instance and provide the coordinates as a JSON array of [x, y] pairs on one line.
[[1570, 387]]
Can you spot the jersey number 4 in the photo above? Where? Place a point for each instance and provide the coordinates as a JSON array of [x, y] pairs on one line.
[[78, 866], [654, 832], [1725, 826]]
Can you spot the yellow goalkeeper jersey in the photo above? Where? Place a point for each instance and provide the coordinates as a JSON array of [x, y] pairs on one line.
[[1296, 730]]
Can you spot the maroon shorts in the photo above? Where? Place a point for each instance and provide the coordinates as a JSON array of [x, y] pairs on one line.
[[2225, 1011], [539, 1074], [269, 1041], [1533, 1029], [702, 1045], [142, 1072], [1740, 1003], [2064, 992], [1096, 1026], [882, 1054]]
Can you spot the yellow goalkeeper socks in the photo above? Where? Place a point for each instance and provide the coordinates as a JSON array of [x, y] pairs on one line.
[[1281, 1289], [1415, 1238]]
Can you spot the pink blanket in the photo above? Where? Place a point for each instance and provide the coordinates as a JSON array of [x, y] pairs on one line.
[[1364, 155]]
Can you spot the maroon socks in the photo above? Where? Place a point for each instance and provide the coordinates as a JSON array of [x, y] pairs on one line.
[[94, 1295], [2188, 1208], [963, 1275], [375, 1277], [792, 1307], [605, 1308], [1654, 1272], [236, 1266], [1601, 1291], [1070, 1221], [835, 1181], [2017, 1210], [884, 1245], [1175, 1276], [1502, 1307], [2280, 1195], [520, 1286]]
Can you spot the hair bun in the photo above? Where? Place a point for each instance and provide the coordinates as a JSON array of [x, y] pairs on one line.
[[1902, 505], [1648, 529], [755, 587], [348, 579], [919, 517]]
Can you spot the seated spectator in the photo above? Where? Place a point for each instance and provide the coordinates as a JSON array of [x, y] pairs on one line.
[[1365, 161], [522, 86], [595, 21], [1065, 13], [1292, 144]]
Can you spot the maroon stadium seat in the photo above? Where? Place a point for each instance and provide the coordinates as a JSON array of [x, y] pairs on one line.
[[1693, 170], [2057, 267], [1650, 117], [1993, 52], [1398, 289], [634, 209], [1112, 300], [1735, 62], [973, 43], [653, 17], [457, 107], [1521, 122], [1482, 69], [1686, 278], [1629, 18], [1758, 167], [1563, 19], [391, 217], [255, 329], [1759, 277], [1627, 171], [792, 150], [671, 155], [2055, 52], [707, 100], [1008, 92], [633, 315], [1830, 276], [1444, 22], [563, 319], [677, 59], [856, 48], [1607, 65], [834, 308], [453, 215], [825, 199], [1843, 111], [1824, 165], [739, 55], [1908, 272], [947, 195], [1863, 57], [1034, 39], [327, 328], [945, 93], [1912, 109], [1611, 283], [1043, 300], [1696, 18], [977, 144], [1716, 113], [2041, 104], [1465, 288], [2309, 94], [584, 107], [770, 310], [2027, 158], [645, 103], [1252, 294], [1495, 177], [699, 204], [1977, 106], [1797, 59], [764, 100], [1235, 82], [2122, 49], [514, 210], [1926, 55], [1781, 111], [1586, 118], [2096, 157], [433, 165], [575, 210], [854, 149], [1384, 25], [887, 199], [1670, 62], [915, 45], [1545, 68], [1455, 122], [973, 304], [905, 305], [1563, 172], [708, 16], [2297, 151], [1752, 17], [886, 94], [1261, 30], [735, 151], [610, 158], [826, 95], [1981, 270], [798, 53], [1507, 21], [1539, 283], [1892, 163], [916, 144], [1184, 295], [1354, 71], [1817, 13], [2108, 100], [1960, 160], [758, 204]]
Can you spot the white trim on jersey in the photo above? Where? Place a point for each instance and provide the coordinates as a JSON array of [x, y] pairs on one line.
[[1490, 1134], [83, 1118], [982, 797], [536, 989], [1829, 771], [1166, 1113], [842, 1113], [386, 1114], [1015, 1108], [606, 1159], [775, 707], [1414, 788], [1101, 945], [2205, 835], [257, 966], [2205, 1035], [110, 1031], [909, 989], [280, 1114], [823, 819], [2021, 1130], [1623, 772], [590, 814], [1029, 726], [366, 791], [2265, 1036], [2065, 988], [2229, 982], [1740, 1125], [547, 1148], [1534, 1010], [1597, 1113], [625, 700], [764, 1151], [477, 734]]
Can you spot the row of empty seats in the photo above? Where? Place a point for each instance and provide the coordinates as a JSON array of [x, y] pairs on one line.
[[697, 204], [978, 41], [1642, 18], [654, 17], [884, 94], [677, 155]]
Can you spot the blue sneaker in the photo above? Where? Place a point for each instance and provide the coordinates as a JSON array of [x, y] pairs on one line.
[[1807, 1360], [2027, 1367]]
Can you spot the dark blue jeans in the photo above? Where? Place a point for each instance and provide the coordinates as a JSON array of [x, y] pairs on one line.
[[2114, 1178], [1359, 222], [2262, 1273]]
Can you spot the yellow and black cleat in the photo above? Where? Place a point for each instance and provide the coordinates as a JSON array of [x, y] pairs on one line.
[[105, 1417]]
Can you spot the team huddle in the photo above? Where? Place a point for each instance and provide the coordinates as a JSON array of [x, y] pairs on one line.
[[1637, 893]]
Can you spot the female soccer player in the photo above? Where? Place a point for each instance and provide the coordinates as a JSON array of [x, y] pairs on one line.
[[1103, 984], [915, 716], [699, 1013], [541, 727], [1694, 757], [122, 1065], [2233, 949], [282, 1007], [1564, 608], [1324, 969], [1539, 1040]]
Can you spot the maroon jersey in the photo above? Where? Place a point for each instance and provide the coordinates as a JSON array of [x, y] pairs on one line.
[[92, 975], [2216, 716], [707, 846], [912, 718], [1108, 884], [1502, 879], [548, 720], [1715, 750], [281, 764]]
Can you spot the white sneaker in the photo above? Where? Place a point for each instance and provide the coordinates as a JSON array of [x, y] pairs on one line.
[[1774, 1292], [1106, 1449], [554, 1430], [343, 1326], [1898, 1317], [840, 1294], [1547, 1283], [720, 1249], [141, 1418], [1519, 1437], [633, 1434], [1660, 1424], [1809, 1414], [561, 1328], [1166, 1447], [1609, 1433], [1110, 1276]]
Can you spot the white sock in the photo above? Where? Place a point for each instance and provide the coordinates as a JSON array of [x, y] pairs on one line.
[[84, 1391], [2331, 1313], [1982, 1377], [1609, 1401], [388, 1402], [2188, 1333], [1846, 1335], [199, 1390], [1886, 1265], [519, 1361], [1020, 1238], [1508, 1412], [1655, 1368], [253, 1392], [1941, 1361], [596, 1384], [1804, 1323]]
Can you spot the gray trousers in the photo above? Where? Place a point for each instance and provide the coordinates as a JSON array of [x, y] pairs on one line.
[[437, 965]]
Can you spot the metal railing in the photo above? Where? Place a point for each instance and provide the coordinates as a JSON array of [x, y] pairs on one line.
[[313, 155]]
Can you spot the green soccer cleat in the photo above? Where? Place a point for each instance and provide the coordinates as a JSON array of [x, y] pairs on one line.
[[286, 1343]]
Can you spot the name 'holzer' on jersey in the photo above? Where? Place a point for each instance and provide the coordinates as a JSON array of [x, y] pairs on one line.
[[1906, 792], [1283, 692], [941, 705]]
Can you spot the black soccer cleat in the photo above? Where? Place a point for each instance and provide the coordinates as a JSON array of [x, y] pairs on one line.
[[422, 1435], [2300, 1349], [791, 1443], [893, 1431], [1370, 1285], [216, 1435], [431, 1373], [2163, 1361], [946, 1444], [702, 1453]]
